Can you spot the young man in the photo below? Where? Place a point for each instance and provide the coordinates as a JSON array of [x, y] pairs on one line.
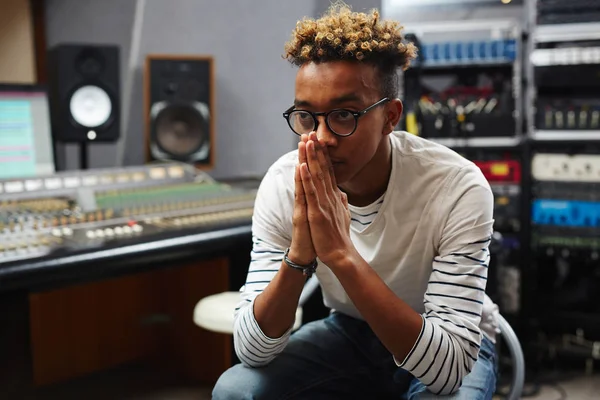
[[398, 228]]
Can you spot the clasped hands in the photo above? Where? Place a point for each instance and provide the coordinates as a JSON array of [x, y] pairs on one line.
[[321, 216]]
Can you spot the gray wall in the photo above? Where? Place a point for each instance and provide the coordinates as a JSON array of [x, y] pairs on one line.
[[357, 5], [254, 85]]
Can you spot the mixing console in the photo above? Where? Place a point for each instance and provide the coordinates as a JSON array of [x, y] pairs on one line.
[[91, 209]]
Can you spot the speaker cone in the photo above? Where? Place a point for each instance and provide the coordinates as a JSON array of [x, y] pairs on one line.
[[181, 130], [90, 106]]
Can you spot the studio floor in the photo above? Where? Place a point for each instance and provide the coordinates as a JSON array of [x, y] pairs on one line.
[[135, 382]]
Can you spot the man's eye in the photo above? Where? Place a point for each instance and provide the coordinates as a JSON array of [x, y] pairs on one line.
[[343, 115]]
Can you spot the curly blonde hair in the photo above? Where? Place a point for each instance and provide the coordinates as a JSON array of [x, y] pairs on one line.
[[343, 35]]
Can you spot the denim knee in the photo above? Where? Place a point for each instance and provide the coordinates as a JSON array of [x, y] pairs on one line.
[[245, 383], [228, 386]]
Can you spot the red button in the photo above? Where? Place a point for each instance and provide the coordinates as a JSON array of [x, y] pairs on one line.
[[131, 223]]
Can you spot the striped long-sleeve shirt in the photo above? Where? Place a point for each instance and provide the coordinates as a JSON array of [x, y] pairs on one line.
[[427, 238]]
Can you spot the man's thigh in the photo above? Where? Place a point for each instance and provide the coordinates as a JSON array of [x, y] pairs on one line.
[[323, 359], [480, 384]]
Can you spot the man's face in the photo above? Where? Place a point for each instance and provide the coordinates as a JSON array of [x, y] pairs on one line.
[[353, 86]]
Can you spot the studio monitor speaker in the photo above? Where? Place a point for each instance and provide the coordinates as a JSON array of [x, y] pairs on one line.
[[84, 92], [179, 109]]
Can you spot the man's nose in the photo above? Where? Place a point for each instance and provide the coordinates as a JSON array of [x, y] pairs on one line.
[[324, 134]]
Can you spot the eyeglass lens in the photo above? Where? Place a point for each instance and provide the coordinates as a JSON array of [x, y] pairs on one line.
[[340, 121]]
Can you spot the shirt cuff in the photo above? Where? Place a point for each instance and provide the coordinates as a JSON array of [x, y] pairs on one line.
[[258, 331], [418, 348]]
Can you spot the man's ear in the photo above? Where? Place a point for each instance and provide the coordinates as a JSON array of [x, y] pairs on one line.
[[394, 113]]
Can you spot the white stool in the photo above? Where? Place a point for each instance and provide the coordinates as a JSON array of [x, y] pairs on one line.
[[215, 312]]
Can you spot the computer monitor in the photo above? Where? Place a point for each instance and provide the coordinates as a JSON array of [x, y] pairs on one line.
[[25, 132]]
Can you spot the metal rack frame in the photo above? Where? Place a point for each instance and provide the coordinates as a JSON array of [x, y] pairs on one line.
[[547, 34], [489, 29], [567, 141]]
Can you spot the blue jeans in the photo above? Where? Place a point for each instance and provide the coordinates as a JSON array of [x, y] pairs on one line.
[[340, 357]]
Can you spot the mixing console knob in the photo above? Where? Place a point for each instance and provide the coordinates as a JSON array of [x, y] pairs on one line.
[[137, 228], [90, 234], [99, 233], [56, 232], [108, 232], [66, 231], [118, 231], [127, 230]]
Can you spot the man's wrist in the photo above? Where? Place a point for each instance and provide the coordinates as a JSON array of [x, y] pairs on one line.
[[307, 269], [344, 261], [298, 258]]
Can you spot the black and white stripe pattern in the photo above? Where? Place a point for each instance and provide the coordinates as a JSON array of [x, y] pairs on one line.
[[448, 345], [252, 346], [361, 217]]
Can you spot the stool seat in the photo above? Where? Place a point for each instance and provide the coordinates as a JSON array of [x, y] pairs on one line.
[[215, 312]]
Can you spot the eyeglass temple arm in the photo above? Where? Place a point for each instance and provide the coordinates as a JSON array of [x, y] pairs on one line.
[[366, 110]]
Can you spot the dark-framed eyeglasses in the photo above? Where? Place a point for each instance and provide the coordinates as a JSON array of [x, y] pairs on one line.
[[341, 122]]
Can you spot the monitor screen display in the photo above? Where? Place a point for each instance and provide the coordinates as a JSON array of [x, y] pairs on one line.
[[25, 132]]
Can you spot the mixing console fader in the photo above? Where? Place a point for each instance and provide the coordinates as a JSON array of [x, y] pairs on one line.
[[82, 210]]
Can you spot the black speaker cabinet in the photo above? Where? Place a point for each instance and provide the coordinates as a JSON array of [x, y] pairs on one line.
[[84, 88], [179, 109]]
